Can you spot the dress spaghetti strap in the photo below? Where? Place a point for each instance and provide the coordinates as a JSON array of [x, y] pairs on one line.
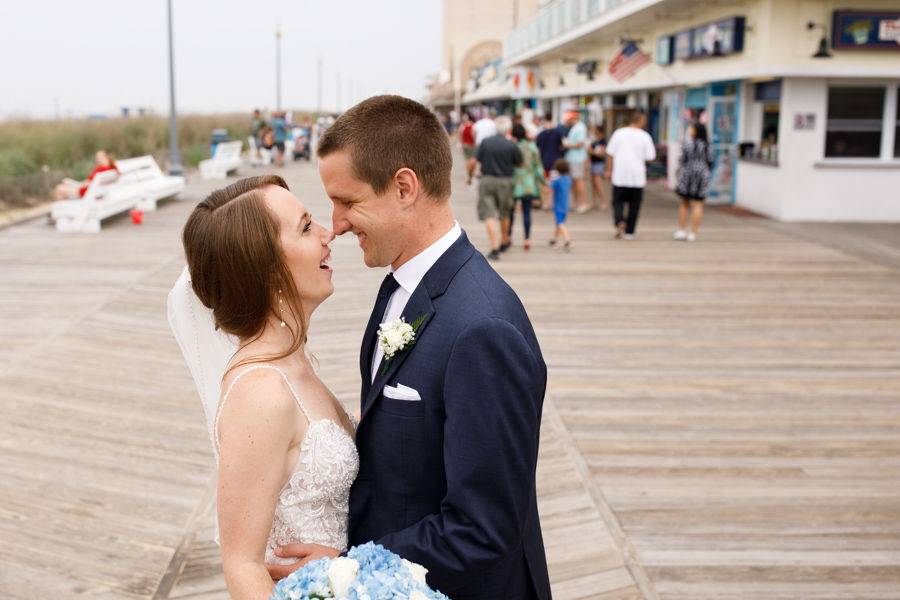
[[243, 372]]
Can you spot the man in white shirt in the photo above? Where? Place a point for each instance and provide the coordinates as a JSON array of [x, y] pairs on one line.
[[485, 127], [627, 154]]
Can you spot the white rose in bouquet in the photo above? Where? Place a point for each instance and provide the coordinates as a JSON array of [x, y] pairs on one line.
[[341, 574], [417, 571]]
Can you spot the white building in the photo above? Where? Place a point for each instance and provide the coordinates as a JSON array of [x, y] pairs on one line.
[[472, 35], [797, 135]]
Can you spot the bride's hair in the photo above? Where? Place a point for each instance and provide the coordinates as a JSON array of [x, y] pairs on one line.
[[231, 241]]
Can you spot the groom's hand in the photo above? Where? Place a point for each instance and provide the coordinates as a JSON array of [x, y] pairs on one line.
[[304, 553]]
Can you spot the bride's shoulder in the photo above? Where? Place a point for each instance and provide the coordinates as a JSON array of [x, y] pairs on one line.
[[258, 390]]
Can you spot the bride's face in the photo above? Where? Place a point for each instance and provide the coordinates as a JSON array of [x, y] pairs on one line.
[[305, 246]]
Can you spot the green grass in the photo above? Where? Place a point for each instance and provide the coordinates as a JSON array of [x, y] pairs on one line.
[[35, 155]]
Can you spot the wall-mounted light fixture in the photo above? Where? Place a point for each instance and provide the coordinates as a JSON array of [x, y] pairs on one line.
[[823, 41]]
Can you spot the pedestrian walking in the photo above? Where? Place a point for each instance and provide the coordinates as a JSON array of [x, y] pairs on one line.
[[562, 188], [485, 127], [627, 154], [257, 126], [576, 143], [549, 143], [467, 141], [528, 178], [598, 166], [498, 157], [693, 181], [279, 136]]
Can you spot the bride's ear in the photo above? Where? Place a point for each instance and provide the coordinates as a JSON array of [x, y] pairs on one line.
[[407, 186]]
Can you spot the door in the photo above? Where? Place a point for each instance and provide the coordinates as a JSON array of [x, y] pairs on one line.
[[723, 140]]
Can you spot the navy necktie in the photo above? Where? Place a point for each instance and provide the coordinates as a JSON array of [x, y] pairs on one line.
[[388, 287]]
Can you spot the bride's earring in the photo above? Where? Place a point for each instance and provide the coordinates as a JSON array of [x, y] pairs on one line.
[[281, 307]]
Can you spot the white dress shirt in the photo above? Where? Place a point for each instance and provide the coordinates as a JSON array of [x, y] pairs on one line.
[[409, 275]]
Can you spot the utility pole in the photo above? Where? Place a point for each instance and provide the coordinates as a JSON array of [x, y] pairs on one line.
[[337, 102], [278, 68], [319, 87], [456, 80], [174, 157]]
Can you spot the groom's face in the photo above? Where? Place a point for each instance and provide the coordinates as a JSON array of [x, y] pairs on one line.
[[357, 209]]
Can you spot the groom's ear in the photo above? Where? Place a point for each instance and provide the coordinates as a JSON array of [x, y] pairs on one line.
[[407, 186]]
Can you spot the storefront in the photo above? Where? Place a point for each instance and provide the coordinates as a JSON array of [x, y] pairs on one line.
[[799, 98], [828, 149]]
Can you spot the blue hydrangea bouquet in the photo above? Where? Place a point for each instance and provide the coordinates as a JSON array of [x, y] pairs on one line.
[[368, 572]]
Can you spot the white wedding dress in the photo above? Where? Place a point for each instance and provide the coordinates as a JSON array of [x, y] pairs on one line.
[[313, 506]]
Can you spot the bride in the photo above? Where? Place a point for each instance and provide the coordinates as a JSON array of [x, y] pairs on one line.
[[285, 448]]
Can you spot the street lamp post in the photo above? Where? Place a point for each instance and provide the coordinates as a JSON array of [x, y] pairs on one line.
[[278, 69], [174, 157], [319, 87], [337, 103]]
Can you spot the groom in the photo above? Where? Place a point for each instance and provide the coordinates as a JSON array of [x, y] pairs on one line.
[[450, 422]]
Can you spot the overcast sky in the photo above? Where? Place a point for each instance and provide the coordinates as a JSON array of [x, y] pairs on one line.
[[94, 56]]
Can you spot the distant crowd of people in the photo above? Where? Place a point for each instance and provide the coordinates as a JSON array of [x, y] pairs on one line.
[[542, 164], [279, 135]]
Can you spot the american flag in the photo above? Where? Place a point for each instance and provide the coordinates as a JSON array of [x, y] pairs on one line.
[[627, 62]]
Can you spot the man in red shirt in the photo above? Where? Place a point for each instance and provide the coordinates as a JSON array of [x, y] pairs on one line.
[[467, 140]]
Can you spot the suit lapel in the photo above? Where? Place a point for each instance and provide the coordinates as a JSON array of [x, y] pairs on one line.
[[368, 346], [419, 305]]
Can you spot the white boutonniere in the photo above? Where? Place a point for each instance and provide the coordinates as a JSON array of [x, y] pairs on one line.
[[397, 336]]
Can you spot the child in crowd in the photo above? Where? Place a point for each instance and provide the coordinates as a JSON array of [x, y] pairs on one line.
[[562, 187]]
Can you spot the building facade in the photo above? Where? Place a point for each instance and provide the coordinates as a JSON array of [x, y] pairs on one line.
[[472, 37], [800, 96]]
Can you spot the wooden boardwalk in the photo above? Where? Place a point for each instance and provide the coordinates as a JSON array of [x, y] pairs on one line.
[[722, 421]]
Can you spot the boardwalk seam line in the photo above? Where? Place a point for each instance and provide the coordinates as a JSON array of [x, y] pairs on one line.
[[176, 564], [626, 550]]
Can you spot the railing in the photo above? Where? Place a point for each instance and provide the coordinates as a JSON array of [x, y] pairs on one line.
[[553, 20]]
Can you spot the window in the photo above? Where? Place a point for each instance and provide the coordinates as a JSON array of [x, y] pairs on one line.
[[854, 125], [897, 128], [763, 116]]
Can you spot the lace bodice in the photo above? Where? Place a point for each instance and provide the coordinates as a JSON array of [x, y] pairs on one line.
[[313, 505]]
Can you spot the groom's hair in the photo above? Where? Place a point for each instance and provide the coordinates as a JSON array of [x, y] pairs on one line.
[[387, 133]]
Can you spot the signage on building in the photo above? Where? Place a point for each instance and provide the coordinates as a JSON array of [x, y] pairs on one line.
[[525, 82], [720, 38], [855, 29], [804, 121]]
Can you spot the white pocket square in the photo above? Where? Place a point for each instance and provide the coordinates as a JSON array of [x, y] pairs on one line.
[[401, 392]]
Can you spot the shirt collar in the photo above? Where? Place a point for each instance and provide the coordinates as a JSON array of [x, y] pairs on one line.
[[410, 273]]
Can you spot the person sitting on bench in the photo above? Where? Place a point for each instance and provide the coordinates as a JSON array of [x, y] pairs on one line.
[[71, 188]]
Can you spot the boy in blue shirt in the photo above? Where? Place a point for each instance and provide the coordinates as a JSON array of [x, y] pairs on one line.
[[562, 187]]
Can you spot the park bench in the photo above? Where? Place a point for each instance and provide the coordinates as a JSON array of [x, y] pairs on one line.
[[258, 157], [148, 181], [103, 198], [226, 159]]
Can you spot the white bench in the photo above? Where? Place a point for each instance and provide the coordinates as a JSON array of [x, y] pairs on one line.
[[226, 159], [149, 182], [258, 157], [104, 198]]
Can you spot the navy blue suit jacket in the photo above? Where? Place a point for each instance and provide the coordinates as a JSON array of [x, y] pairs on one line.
[[449, 481]]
